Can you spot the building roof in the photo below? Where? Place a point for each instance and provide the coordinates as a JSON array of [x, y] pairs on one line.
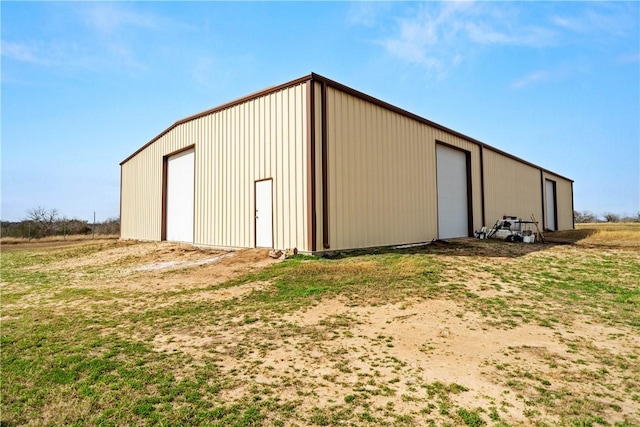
[[331, 83]]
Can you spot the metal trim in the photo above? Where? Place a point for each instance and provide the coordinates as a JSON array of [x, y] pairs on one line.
[[120, 211], [544, 200], [482, 195], [325, 168], [573, 217], [555, 202], [311, 167]]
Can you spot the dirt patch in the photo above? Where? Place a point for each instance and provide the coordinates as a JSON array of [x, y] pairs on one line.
[[166, 265], [416, 358], [394, 352]]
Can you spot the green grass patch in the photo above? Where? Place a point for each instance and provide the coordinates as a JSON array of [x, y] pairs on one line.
[[78, 354]]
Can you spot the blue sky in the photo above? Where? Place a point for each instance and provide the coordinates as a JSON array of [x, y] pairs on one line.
[[85, 84]]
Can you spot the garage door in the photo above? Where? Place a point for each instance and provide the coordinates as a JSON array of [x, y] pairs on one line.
[[180, 196], [453, 212]]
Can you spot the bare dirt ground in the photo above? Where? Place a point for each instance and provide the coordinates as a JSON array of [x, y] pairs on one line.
[[392, 352]]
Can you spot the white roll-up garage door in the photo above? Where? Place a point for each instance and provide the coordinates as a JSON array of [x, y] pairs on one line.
[[180, 197], [453, 213]]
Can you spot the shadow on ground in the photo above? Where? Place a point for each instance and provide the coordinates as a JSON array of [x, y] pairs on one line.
[[455, 247]]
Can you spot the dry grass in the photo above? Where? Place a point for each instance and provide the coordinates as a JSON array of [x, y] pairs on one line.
[[619, 237], [620, 234], [56, 239], [610, 226], [623, 234]]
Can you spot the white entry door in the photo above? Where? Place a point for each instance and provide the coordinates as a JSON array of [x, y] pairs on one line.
[[453, 212], [180, 197], [264, 214], [550, 190]]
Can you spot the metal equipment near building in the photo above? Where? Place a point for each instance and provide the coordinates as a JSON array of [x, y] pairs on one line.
[[513, 229]]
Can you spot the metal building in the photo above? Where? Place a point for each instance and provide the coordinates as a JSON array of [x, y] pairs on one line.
[[315, 165]]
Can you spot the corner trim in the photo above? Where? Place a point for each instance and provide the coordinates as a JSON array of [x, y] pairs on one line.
[[544, 200], [482, 195], [120, 212], [311, 167], [165, 182], [325, 167], [573, 217]]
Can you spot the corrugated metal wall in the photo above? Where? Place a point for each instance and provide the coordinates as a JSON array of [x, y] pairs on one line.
[[381, 174], [511, 188], [258, 139], [564, 201], [141, 197], [380, 182]]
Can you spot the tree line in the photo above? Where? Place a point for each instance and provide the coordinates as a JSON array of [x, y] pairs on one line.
[[587, 216], [42, 222]]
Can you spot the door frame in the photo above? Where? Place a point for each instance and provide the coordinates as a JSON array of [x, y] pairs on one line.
[[165, 183], [468, 181], [554, 196], [255, 216]]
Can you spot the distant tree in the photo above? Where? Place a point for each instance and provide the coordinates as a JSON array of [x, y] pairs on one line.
[[631, 218], [611, 217], [73, 226], [584, 216], [108, 226], [45, 220], [42, 222]]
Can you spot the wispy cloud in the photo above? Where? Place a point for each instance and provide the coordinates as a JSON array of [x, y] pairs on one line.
[[49, 54], [440, 35], [20, 52], [553, 73], [531, 78], [107, 18], [99, 40], [73, 55], [601, 19], [366, 13]]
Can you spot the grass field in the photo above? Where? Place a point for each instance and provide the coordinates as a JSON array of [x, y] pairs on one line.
[[470, 333], [10, 241]]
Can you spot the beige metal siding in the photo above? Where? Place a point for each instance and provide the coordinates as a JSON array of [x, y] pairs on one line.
[[258, 139], [141, 199], [511, 188], [564, 201], [381, 174]]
